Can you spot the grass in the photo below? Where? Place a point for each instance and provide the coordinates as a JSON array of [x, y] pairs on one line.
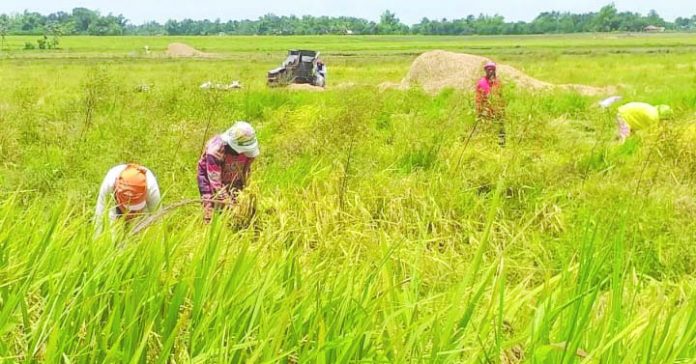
[[380, 234], [370, 45]]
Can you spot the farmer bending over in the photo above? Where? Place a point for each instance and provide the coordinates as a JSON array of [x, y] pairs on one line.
[[224, 167], [638, 116], [131, 188], [489, 100]]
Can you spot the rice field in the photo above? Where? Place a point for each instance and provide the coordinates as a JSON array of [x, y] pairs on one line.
[[379, 225]]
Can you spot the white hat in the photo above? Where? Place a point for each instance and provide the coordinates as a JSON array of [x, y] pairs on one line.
[[137, 206], [242, 138]]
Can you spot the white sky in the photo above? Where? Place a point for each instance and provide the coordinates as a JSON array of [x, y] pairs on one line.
[[409, 11]]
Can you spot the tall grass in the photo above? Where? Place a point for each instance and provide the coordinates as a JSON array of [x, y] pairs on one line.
[[310, 293], [383, 227]]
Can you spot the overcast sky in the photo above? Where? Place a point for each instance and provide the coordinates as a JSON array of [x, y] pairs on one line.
[[409, 11]]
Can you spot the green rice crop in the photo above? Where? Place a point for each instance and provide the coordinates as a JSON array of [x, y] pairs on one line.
[[380, 233]]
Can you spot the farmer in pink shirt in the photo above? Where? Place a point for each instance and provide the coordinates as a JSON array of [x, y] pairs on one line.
[[224, 166], [489, 100]]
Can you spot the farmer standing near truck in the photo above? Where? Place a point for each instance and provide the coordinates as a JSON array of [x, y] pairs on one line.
[[224, 167], [130, 190], [490, 105], [320, 73], [638, 116]]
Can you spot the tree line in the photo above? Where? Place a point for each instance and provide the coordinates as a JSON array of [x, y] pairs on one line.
[[82, 21]]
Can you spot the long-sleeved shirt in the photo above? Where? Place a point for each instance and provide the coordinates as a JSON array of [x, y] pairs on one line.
[[639, 115], [321, 70], [107, 189], [489, 98], [221, 172]]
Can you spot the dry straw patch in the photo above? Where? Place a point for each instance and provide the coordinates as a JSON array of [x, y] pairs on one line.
[[185, 50]]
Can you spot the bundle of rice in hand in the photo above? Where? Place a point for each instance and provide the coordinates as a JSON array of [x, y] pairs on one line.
[[244, 210]]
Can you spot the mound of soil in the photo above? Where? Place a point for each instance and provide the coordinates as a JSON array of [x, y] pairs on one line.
[[305, 87], [436, 70], [184, 50]]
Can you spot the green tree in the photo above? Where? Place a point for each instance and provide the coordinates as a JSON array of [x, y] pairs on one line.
[[172, 27], [55, 29], [682, 23], [3, 30], [83, 19], [654, 18], [606, 20], [489, 25], [86, 21], [390, 24], [547, 22], [147, 28], [60, 17], [31, 22]]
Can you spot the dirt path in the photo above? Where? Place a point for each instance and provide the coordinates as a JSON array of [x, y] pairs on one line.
[[185, 50]]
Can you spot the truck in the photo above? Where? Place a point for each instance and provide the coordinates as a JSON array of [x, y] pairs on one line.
[[298, 67]]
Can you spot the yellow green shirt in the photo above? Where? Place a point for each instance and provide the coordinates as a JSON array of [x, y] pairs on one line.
[[639, 115]]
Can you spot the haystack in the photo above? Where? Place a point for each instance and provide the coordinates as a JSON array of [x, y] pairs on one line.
[[436, 70], [184, 50]]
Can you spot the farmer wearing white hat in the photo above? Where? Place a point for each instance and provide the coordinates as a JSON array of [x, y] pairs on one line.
[[130, 190], [224, 166]]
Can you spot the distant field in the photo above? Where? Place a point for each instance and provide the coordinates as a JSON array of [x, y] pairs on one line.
[[337, 45], [622, 58], [382, 225]]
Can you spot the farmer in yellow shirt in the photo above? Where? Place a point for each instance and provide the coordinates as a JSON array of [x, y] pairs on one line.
[[638, 116]]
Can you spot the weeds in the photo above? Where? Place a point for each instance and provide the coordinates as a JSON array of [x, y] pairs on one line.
[[95, 88]]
